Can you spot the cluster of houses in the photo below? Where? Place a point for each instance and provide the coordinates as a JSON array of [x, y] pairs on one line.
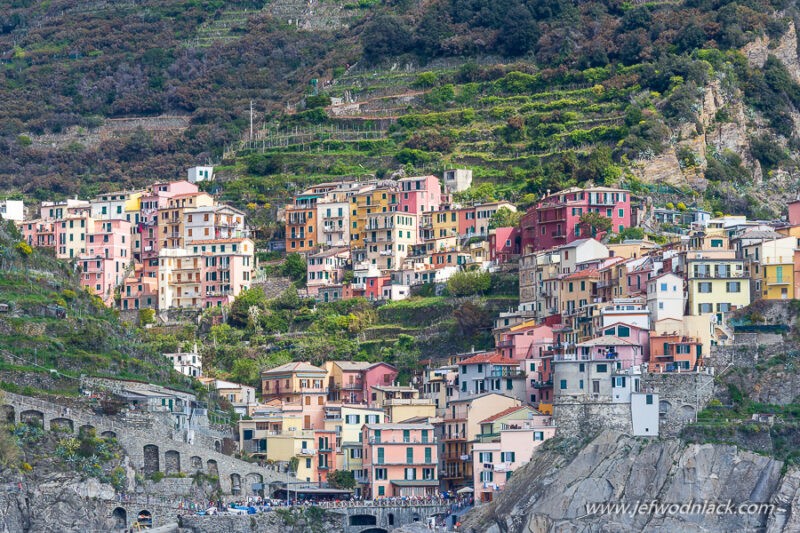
[[168, 246], [390, 235], [413, 440]]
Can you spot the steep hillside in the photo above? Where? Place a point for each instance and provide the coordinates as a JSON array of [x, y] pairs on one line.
[[52, 331], [694, 100]]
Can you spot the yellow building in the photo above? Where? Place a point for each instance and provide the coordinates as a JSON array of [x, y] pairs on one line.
[[382, 198], [771, 267], [71, 234], [293, 382], [402, 403], [576, 293], [444, 223], [171, 221], [716, 286], [388, 238]]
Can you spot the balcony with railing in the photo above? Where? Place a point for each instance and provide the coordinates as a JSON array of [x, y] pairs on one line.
[[431, 440], [540, 384], [506, 372]]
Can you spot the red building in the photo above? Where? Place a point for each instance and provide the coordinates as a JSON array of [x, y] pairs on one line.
[[555, 220]]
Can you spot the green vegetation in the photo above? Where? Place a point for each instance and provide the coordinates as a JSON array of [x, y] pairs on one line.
[[56, 325]]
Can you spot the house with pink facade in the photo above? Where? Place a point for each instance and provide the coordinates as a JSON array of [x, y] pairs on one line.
[[505, 444], [420, 194], [373, 286], [352, 381], [613, 349], [138, 291], [629, 332], [525, 341], [400, 460], [555, 220], [326, 268], [107, 255], [503, 245]]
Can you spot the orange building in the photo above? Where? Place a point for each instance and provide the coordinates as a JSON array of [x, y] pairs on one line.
[[674, 353]]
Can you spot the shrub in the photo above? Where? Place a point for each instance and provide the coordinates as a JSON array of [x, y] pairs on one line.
[[468, 283]]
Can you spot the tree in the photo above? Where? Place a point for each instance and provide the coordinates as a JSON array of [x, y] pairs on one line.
[[342, 479], [245, 371], [520, 32], [594, 223], [240, 308], [468, 283], [384, 36], [505, 218], [146, 316], [294, 267]]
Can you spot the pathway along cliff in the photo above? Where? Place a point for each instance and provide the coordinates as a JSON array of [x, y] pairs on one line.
[[559, 490]]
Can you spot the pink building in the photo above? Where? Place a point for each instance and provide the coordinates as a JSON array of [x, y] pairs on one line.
[[420, 194], [39, 233], [352, 381], [108, 253], [503, 245], [326, 268], [794, 213], [613, 349], [400, 460], [555, 220], [629, 332], [139, 292], [506, 443]]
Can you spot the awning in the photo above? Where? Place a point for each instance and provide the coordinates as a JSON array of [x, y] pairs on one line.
[[416, 483]]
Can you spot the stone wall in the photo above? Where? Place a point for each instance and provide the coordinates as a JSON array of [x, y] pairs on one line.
[[679, 396], [581, 418], [148, 439], [273, 287]]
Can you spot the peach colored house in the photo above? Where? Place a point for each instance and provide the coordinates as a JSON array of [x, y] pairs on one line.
[[506, 443], [525, 341], [400, 460], [299, 384], [460, 427], [674, 353], [138, 291]]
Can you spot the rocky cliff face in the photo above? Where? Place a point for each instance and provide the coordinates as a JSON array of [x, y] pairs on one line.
[[552, 492], [61, 503]]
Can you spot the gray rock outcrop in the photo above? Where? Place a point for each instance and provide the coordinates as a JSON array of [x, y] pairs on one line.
[[555, 491]]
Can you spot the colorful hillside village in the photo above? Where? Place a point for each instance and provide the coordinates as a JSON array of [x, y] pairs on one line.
[[599, 316]]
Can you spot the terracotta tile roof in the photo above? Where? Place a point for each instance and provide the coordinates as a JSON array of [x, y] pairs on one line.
[[489, 357], [585, 273], [502, 413]]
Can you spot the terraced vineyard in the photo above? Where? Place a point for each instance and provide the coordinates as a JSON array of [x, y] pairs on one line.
[[500, 126]]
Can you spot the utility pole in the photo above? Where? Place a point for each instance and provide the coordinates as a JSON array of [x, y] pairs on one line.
[[251, 121]]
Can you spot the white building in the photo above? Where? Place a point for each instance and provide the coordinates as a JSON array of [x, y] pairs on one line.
[[187, 363], [666, 297], [581, 253], [12, 210], [457, 180], [198, 174]]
